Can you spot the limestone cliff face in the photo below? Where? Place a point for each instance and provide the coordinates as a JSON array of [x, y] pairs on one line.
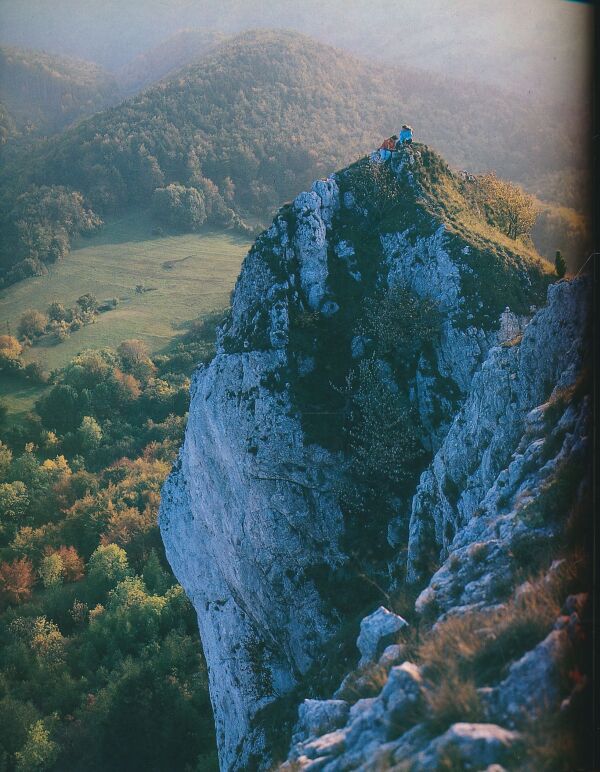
[[255, 516], [516, 377], [518, 450]]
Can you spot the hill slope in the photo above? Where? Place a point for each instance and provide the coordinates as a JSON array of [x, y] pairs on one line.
[[44, 93], [256, 119], [172, 54], [536, 50], [310, 100]]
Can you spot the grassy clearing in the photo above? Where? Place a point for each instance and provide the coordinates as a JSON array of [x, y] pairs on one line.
[[19, 397], [189, 275]]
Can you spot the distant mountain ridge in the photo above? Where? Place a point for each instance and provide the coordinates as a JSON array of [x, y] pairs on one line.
[[175, 52], [259, 116], [44, 93], [535, 49]]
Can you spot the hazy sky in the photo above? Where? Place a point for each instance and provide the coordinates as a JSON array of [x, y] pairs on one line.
[[536, 46]]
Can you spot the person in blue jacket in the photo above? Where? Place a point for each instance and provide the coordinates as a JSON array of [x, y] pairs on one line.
[[406, 136]]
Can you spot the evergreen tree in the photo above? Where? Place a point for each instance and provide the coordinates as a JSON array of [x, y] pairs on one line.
[[560, 264]]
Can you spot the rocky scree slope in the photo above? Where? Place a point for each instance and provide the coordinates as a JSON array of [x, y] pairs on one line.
[[364, 323]]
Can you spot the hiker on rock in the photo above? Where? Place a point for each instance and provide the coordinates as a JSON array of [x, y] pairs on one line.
[[406, 137], [387, 146]]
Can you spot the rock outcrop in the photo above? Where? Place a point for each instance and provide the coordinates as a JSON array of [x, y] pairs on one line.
[[288, 508], [377, 631], [517, 518], [502, 415]]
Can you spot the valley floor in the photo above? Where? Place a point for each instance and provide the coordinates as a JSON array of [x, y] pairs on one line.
[[181, 277]]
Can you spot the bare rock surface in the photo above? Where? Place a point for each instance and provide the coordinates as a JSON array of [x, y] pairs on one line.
[[474, 746], [319, 717], [377, 631]]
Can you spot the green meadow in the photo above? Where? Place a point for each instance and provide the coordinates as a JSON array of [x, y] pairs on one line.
[[179, 278]]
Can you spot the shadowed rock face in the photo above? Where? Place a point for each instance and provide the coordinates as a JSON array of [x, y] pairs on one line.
[[515, 378], [533, 483], [254, 506]]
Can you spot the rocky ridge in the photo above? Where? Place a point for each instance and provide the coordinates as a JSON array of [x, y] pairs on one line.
[[260, 516], [516, 522]]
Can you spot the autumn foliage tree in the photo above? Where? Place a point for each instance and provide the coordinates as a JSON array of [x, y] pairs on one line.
[[72, 564], [51, 570], [135, 357], [16, 580], [10, 348], [61, 565], [507, 206], [10, 355], [32, 323], [88, 606]]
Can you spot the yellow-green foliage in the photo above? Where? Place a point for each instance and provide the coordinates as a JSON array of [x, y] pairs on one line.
[[39, 752], [109, 673], [505, 205]]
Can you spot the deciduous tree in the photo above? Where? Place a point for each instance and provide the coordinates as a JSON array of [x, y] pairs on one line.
[[507, 205], [16, 580], [32, 324], [10, 348]]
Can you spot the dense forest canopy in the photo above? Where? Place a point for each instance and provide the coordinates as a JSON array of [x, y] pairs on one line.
[[100, 662], [255, 120]]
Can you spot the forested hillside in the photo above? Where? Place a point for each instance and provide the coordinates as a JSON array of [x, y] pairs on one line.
[[245, 128], [175, 52], [100, 663], [535, 49], [44, 93], [8, 127]]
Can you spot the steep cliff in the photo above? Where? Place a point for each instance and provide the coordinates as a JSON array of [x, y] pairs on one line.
[[496, 674], [359, 423]]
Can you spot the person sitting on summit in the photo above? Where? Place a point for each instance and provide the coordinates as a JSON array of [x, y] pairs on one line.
[[387, 146], [406, 136]]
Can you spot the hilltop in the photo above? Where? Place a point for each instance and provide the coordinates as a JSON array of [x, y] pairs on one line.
[[252, 122], [174, 53]]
